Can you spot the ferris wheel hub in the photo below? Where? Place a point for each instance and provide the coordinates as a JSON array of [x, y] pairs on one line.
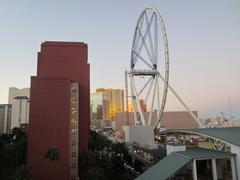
[[143, 72]]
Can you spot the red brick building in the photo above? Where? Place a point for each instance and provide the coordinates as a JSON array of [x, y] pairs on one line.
[[59, 109]]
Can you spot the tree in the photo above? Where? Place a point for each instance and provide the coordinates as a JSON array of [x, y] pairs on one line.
[[138, 165], [52, 154], [13, 155], [97, 142], [22, 173], [104, 161]]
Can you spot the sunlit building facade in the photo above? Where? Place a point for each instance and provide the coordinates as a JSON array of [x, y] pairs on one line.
[[116, 100], [100, 104]]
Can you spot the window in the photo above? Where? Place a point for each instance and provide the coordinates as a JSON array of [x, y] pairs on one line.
[[74, 131], [73, 166], [74, 100], [73, 154], [73, 143], [74, 89], [74, 121], [74, 110]]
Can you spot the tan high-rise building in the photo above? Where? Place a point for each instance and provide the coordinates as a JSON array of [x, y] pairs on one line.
[[100, 105], [116, 100]]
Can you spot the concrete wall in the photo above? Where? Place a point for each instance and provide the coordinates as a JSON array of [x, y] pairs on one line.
[[175, 148], [142, 135], [236, 150], [170, 120]]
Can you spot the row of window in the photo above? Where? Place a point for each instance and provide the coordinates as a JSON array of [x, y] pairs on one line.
[[74, 130]]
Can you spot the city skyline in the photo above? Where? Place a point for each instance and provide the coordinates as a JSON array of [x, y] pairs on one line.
[[204, 57]]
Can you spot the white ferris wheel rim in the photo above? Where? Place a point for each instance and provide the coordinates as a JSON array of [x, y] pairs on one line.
[[165, 79]]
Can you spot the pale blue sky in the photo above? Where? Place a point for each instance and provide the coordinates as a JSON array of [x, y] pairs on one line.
[[204, 43]]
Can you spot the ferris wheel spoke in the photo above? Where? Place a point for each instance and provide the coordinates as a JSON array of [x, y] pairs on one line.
[[140, 57], [145, 45], [150, 36], [144, 87], [137, 38], [145, 34]]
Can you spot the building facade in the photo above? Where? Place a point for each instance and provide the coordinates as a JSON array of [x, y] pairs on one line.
[[19, 98], [170, 120], [5, 118], [59, 109], [116, 100]]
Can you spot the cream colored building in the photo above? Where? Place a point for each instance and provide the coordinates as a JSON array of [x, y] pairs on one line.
[[19, 98]]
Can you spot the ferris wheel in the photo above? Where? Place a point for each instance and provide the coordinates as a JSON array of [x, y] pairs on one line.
[[149, 70], [149, 67]]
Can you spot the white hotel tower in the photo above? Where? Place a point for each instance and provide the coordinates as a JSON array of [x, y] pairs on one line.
[[19, 98]]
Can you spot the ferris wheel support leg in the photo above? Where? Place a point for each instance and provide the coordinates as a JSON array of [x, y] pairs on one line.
[[151, 110], [182, 102], [138, 103], [133, 103], [158, 102]]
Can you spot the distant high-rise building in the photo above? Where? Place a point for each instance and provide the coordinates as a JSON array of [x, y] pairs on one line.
[[19, 98], [116, 100], [59, 109], [5, 118], [100, 105]]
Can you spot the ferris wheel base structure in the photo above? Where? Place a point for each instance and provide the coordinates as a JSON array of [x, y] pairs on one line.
[[141, 136]]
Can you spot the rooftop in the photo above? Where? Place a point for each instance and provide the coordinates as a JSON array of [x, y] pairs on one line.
[[177, 160], [229, 135]]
